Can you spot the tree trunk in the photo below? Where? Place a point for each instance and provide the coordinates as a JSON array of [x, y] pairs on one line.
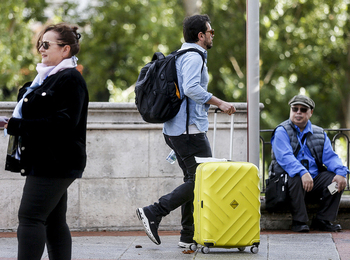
[[192, 7]]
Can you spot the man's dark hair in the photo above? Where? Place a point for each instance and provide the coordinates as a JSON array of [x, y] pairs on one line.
[[192, 25]]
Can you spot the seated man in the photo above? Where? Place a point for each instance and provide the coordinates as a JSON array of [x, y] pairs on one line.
[[305, 152]]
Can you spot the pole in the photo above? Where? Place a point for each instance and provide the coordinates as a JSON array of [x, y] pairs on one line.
[[253, 112]]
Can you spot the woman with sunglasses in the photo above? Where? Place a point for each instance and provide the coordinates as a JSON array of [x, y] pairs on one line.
[[48, 144]]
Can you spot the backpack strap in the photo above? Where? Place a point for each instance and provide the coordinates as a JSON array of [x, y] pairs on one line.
[[158, 56], [180, 52], [187, 115]]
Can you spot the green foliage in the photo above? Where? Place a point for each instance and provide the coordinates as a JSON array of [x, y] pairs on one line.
[[16, 44], [304, 48], [227, 58], [121, 37]]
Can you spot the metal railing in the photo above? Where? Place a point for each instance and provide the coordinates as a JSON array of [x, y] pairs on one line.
[[340, 139]]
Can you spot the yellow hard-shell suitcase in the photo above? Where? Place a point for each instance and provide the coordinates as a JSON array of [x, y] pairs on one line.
[[227, 206]]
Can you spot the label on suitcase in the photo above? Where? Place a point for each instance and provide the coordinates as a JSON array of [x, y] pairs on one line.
[[227, 205]]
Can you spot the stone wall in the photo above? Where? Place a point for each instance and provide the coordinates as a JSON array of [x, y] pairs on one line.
[[126, 168]]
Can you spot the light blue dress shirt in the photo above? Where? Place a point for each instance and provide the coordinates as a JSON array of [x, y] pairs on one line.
[[284, 154], [193, 83]]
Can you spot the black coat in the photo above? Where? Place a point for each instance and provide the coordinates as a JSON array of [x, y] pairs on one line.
[[52, 127]]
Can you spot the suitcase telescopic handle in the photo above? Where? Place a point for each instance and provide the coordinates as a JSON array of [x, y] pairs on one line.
[[231, 132]]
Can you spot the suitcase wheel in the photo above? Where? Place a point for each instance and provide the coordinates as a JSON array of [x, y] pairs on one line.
[[205, 250], [241, 249], [254, 249], [193, 247]]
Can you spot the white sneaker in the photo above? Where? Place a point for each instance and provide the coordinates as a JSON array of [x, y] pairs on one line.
[[184, 244]]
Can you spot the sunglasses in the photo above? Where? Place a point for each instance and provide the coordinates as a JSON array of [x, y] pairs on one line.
[[46, 44], [211, 32], [302, 109]]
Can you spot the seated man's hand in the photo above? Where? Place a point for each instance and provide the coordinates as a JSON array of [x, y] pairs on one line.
[[308, 182], [341, 182]]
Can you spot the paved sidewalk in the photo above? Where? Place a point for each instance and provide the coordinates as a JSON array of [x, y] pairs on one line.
[[136, 245]]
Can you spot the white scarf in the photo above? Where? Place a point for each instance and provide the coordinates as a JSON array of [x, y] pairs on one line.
[[45, 71]]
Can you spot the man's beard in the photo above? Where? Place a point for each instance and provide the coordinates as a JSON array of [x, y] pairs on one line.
[[209, 45]]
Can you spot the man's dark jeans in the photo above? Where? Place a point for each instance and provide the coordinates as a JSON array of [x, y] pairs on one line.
[[186, 148]]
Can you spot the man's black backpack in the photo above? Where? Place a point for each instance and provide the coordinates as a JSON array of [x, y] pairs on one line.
[[157, 93]]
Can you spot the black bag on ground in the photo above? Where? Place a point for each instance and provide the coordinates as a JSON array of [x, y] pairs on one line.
[[157, 94], [276, 195]]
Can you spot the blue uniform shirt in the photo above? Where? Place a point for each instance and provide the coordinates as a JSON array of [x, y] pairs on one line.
[[284, 154]]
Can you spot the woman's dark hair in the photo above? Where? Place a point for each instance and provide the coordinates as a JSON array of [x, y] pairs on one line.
[[67, 34], [193, 25]]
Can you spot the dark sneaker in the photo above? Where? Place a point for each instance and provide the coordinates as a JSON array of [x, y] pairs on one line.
[[150, 224], [300, 227], [325, 225]]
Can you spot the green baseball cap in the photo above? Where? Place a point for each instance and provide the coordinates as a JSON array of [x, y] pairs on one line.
[[302, 100]]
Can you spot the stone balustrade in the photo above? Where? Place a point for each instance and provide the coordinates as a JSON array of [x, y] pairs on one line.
[[126, 168]]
